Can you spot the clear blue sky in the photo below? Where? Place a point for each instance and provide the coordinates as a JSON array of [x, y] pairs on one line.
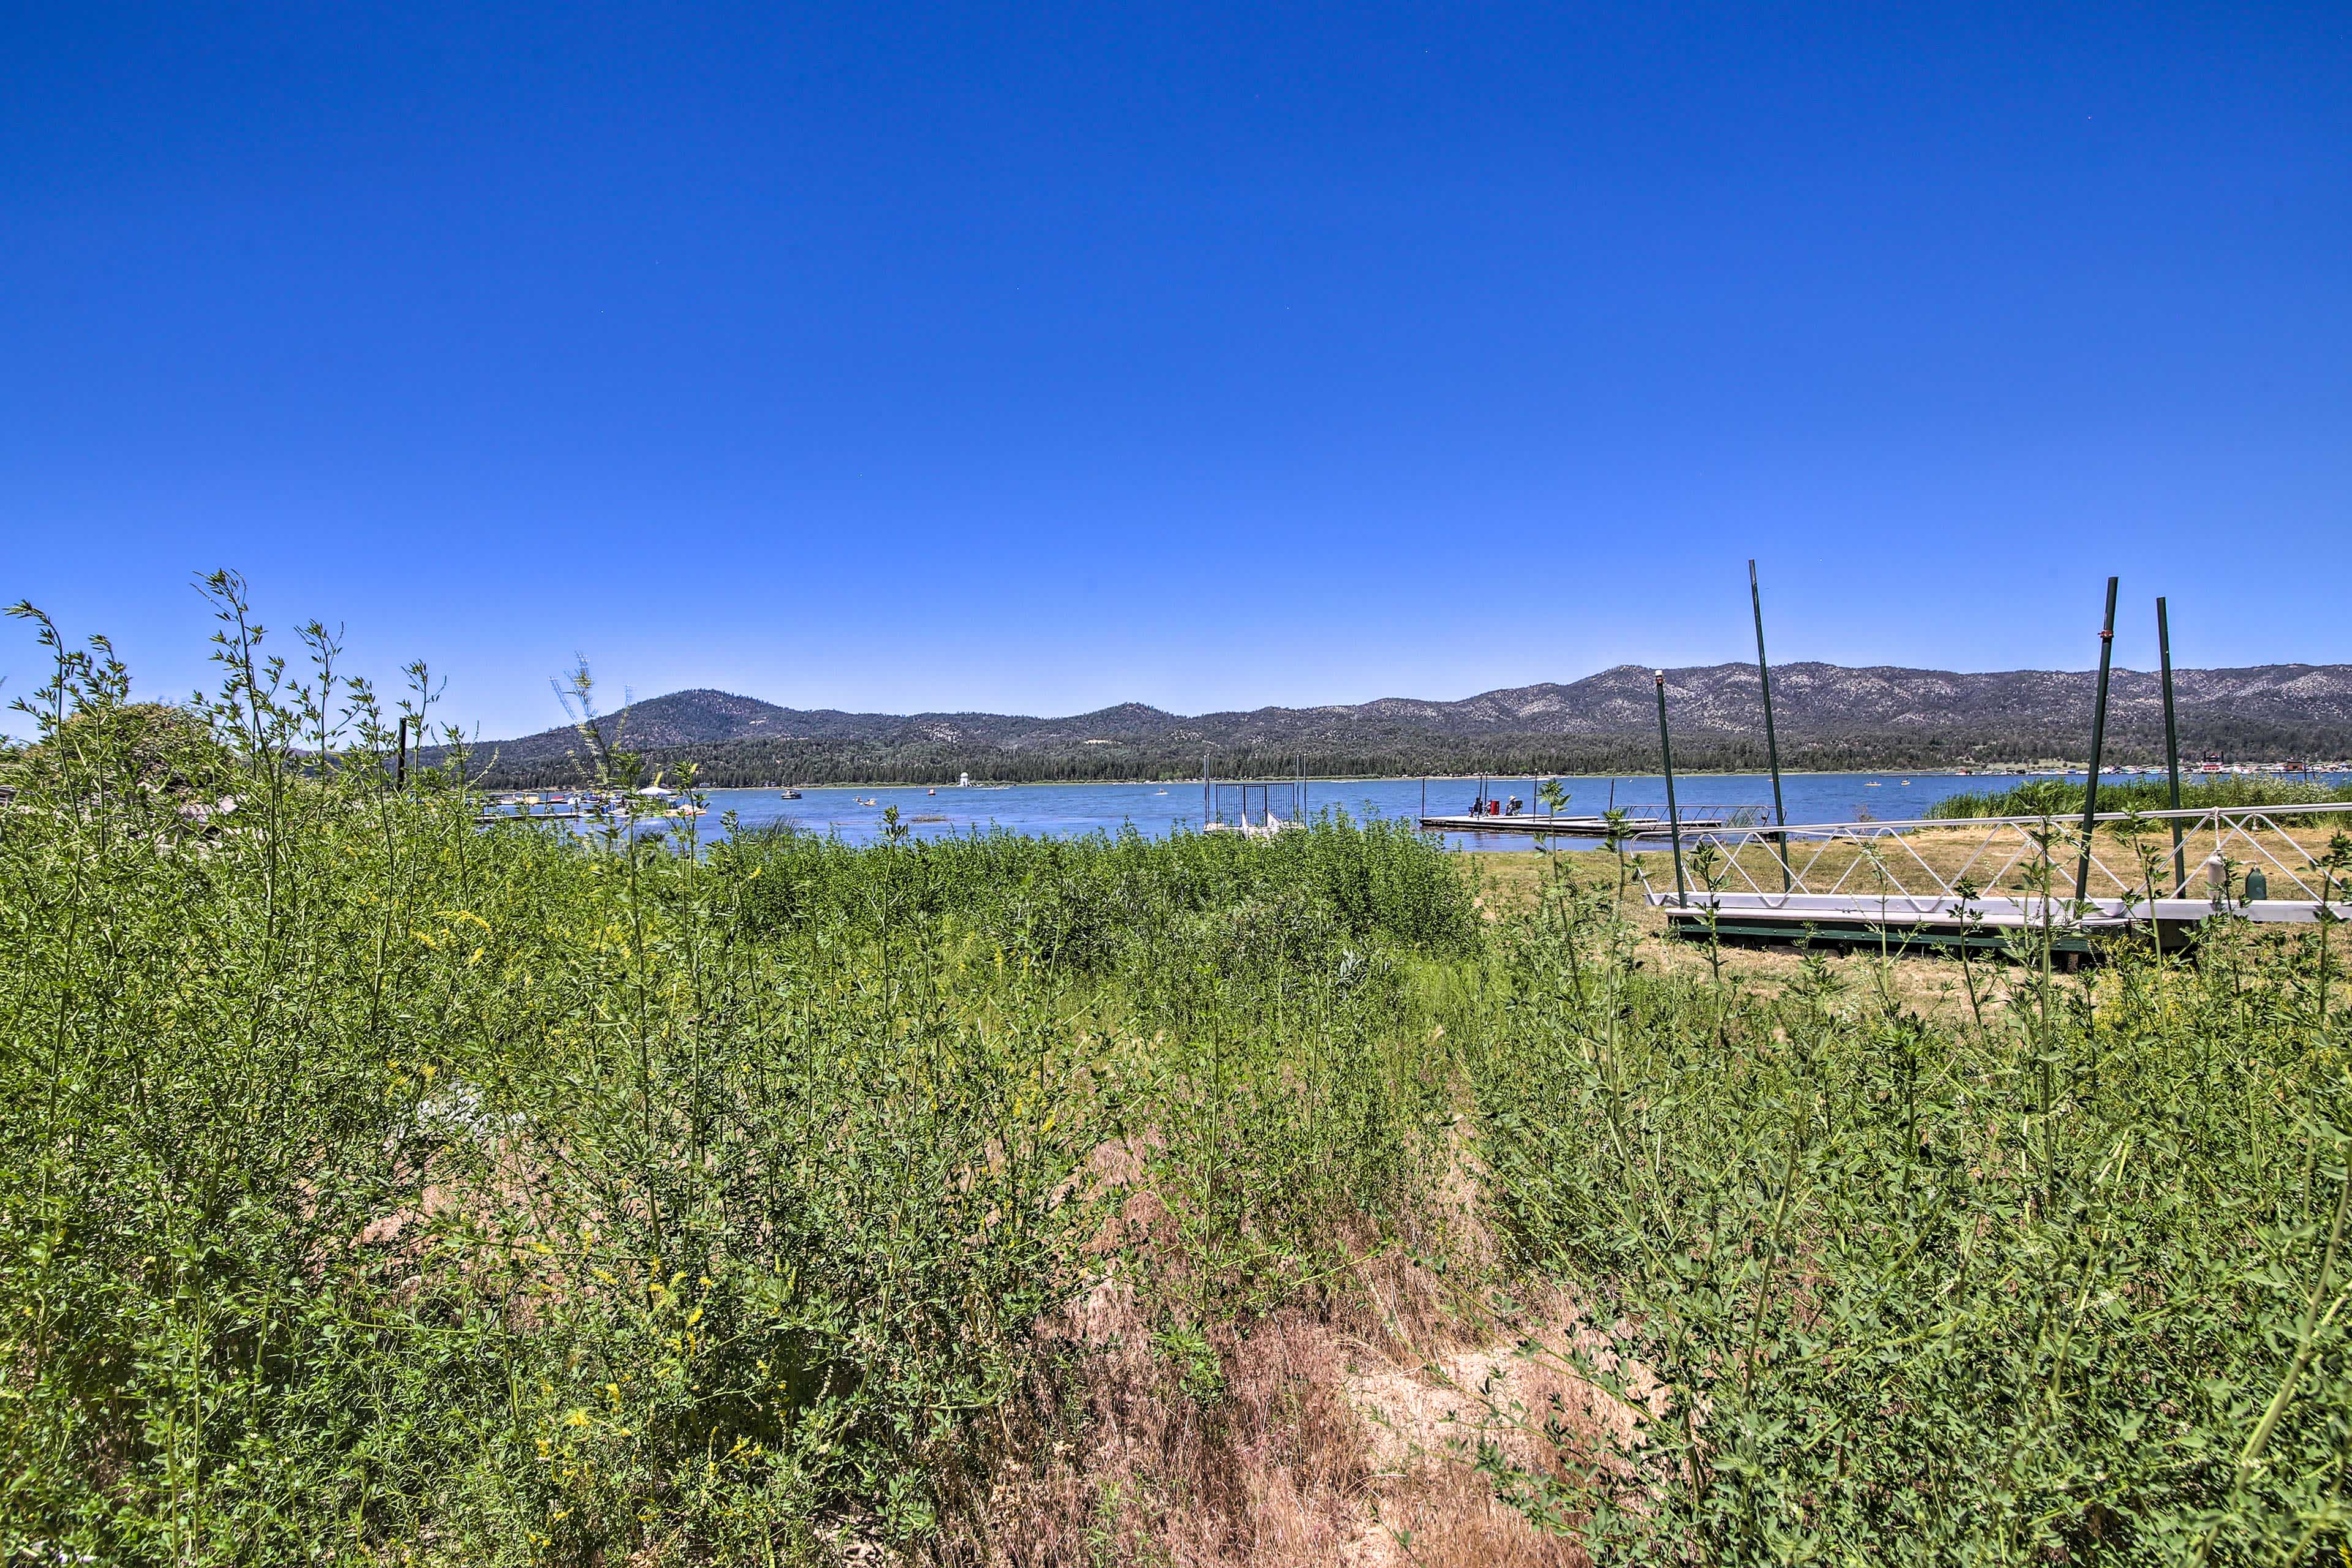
[[1034, 359]]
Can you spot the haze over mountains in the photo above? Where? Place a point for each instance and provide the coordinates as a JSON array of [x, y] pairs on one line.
[[1827, 716]]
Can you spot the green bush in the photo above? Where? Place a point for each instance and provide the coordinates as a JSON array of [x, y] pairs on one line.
[[2066, 1285], [1090, 903], [380, 1185]]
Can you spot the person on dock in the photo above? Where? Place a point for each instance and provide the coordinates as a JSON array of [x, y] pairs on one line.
[[1513, 808]]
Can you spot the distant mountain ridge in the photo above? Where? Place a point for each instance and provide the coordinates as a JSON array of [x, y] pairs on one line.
[[1827, 716]]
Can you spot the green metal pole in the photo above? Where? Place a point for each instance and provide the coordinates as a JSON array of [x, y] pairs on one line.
[[1674, 818], [2171, 748], [1771, 740], [2099, 742], [400, 769]]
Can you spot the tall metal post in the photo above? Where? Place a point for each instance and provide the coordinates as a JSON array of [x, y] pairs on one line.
[[400, 769], [1771, 740], [1204, 789], [2172, 748], [1673, 818], [2099, 742]]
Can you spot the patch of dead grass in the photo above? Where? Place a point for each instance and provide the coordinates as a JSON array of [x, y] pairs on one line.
[[1344, 1431]]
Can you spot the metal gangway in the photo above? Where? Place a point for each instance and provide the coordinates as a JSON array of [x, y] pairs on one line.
[[1258, 810], [1983, 882]]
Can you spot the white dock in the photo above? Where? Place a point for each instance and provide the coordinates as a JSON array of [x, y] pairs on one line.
[[1542, 825]]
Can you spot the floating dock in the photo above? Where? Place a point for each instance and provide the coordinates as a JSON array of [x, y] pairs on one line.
[[1995, 924], [1541, 825]]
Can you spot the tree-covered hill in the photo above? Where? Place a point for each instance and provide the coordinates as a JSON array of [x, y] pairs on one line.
[[1827, 716]]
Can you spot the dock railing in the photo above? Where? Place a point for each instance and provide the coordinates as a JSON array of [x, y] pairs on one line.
[[2301, 853]]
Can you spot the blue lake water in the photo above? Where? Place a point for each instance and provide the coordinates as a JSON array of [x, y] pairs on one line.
[[1062, 810]]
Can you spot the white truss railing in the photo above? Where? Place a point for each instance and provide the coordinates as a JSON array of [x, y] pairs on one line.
[[1877, 866]]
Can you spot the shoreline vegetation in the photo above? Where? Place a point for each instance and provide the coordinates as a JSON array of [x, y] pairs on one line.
[[2059, 797], [381, 1188]]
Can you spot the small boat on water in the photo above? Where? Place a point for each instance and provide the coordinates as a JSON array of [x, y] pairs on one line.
[[788, 793]]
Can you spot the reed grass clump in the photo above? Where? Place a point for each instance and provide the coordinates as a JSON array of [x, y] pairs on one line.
[[1094, 902], [2061, 797]]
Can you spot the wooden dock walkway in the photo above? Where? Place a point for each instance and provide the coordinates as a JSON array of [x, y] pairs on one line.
[[1542, 825], [1994, 923]]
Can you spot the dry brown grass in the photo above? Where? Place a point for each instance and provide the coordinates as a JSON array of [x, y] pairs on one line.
[[1341, 1432], [1328, 1443]]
